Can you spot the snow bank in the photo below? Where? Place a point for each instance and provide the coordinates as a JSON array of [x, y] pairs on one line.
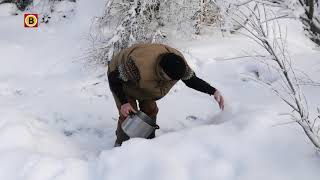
[[252, 150], [7, 9]]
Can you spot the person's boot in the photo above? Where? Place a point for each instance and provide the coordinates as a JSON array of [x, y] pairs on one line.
[[116, 144]]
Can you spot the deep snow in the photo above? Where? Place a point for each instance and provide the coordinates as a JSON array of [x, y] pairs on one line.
[[58, 118]]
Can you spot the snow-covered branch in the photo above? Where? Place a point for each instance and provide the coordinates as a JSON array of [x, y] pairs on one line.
[[288, 87]]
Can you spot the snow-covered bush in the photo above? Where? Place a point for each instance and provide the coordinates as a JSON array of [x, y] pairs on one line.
[[123, 23], [264, 29], [53, 10], [127, 22], [48, 10], [21, 4], [191, 16]]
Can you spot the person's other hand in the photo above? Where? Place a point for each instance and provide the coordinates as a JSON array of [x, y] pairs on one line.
[[219, 98], [125, 109]]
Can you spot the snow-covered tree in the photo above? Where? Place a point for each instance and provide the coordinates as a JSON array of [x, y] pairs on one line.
[[127, 22]]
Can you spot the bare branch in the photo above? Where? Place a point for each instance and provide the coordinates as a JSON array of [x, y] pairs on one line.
[[239, 57], [290, 91]]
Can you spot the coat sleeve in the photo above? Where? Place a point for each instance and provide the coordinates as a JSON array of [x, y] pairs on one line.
[[194, 82], [116, 86]]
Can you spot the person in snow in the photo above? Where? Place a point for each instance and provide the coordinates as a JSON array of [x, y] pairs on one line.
[[146, 73]]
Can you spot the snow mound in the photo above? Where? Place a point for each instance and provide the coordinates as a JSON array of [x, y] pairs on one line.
[[58, 119], [7, 9]]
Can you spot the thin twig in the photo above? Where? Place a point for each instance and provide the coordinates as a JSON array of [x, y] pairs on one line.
[[239, 57]]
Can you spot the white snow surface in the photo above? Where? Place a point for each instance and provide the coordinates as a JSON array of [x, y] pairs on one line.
[[57, 118]]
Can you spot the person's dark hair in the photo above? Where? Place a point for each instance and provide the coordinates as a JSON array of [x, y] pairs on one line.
[[173, 65]]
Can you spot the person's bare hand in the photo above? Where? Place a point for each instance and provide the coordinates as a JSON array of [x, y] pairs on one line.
[[125, 109], [219, 98]]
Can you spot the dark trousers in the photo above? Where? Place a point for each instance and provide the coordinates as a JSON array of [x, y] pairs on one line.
[[149, 107]]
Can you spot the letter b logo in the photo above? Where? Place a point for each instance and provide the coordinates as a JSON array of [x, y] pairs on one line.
[[30, 20]]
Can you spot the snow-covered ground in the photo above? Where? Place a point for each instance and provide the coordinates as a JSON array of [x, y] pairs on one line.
[[57, 118]]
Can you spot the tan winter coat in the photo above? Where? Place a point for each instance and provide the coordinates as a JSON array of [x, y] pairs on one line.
[[139, 68]]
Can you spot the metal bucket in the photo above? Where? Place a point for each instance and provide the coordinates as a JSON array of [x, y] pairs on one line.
[[139, 125]]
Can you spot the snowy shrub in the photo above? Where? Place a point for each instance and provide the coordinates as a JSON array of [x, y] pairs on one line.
[[266, 32], [54, 10], [127, 22], [21, 4], [134, 21], [191, 16], [48, 10]]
